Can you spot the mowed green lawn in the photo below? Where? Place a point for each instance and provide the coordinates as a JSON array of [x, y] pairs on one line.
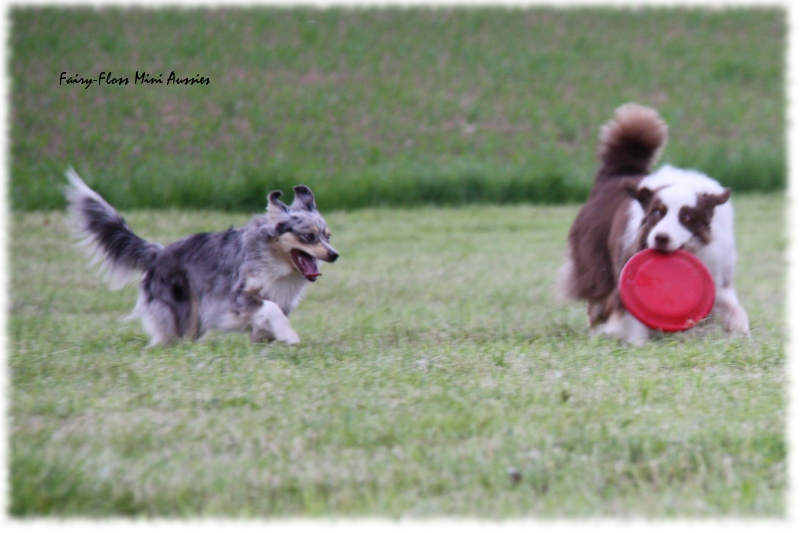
[[437, 375]]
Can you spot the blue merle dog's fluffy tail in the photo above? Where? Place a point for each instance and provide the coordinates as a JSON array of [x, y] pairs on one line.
[[123, 254]]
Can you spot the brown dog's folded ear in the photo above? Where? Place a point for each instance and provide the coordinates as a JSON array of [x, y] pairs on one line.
[[304, 198], [642, 195], [721, 198]]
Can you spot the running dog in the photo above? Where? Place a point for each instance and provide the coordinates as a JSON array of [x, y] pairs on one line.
[[629, 209], [246, 279]]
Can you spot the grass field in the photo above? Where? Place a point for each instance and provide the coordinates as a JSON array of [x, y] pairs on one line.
[[437, 375], [377, 107]]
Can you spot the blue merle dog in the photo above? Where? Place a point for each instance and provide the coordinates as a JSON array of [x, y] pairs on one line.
[[246, 279]]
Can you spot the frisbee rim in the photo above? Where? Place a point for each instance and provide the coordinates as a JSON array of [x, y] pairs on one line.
[[649, 315]]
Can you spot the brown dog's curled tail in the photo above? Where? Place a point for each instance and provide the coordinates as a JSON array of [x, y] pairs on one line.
[[631, 142]]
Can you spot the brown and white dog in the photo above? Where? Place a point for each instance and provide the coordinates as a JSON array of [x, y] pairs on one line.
[[629, 209]]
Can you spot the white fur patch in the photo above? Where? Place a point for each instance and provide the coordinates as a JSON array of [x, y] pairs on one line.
[[677, 188], [270, 322], [674, 198], [278, 282], [635, 215], [669, 176], [625, 326]]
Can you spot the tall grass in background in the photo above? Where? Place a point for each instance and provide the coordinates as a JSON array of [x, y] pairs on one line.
[[377, 107]]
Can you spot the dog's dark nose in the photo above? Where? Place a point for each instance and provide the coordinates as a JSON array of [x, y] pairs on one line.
[[333, 256], [662, 241]]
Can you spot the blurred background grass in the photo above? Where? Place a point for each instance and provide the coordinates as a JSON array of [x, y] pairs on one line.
[[375, 107]]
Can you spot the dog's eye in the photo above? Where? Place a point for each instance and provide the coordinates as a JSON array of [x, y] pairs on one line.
[[685, 218], [309, 237]]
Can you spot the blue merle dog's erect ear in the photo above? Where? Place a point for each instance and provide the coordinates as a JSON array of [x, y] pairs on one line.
[[303, 198], [276, 210]]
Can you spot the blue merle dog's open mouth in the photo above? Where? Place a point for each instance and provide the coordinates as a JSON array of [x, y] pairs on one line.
[[306, 264]]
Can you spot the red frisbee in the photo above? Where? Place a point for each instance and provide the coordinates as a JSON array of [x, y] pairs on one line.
[[667, 292]]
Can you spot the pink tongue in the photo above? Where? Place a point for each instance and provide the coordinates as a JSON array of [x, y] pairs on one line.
[[307, 265]]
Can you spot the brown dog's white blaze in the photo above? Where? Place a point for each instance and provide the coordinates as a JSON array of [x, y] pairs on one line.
[[680, 213]]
